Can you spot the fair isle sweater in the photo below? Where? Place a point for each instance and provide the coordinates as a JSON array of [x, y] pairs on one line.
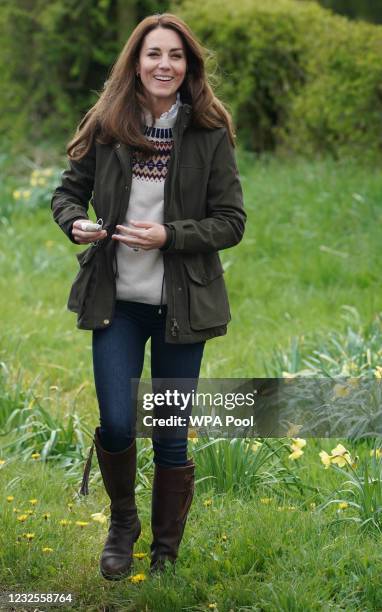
[[140, 273]]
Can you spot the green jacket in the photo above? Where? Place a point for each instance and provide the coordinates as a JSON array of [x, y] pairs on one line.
[[203, 213]]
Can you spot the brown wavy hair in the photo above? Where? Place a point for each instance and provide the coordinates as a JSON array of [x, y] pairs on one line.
[[116, 116]]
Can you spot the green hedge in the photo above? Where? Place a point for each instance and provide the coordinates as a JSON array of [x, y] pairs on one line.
[[296, 76]]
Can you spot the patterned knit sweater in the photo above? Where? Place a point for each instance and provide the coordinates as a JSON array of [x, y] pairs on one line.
[[140, 273]]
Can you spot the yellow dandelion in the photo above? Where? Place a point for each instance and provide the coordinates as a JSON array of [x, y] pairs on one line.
[[343, 505], [325, 458], [265, 500], [16, 510], [340, 390], [70, 506], [29, 536], [81, 523], [35, 455], [46, 515], [22, 518], [139, 555], [224, 537], [47, 549], [33, 501], [29, 512], [10, 498], [312, 505], [16, 194], [99, 517], [137, 578], [207, 502], [2, 461], [64, 522]]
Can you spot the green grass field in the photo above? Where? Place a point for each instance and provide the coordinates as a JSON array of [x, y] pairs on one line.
[[309, 253]]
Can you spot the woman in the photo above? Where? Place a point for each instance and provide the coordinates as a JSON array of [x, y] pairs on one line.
[[155, 156]]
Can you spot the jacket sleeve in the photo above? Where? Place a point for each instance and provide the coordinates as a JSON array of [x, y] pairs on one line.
[[224, 223], [70, 201]]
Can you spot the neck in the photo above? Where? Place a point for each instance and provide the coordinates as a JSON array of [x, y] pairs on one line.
[[162, 105]]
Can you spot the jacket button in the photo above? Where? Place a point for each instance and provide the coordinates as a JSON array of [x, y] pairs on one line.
[[106, 321], [117, 145], [126, 187]]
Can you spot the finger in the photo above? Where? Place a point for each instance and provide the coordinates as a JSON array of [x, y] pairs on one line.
[[146, 224], [133, 233], [130, 241]]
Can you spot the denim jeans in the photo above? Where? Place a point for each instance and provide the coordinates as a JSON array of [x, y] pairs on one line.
[[118, 356]]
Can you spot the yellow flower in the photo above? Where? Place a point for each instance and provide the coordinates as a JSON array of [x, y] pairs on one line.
[[340, 390], [2, 461], [22, 518], [26, 193], [16, 194], [256, 445], [35, 173], [354, 381], [99, 517], [265, 500], [46, 515], [33, 501], [340, 456], [29, 512], [377, 452], [64, 522], [296, 453], [224, 537], [212, 606], [41, 180], [33, 181], [29, 536], [47, 549], [82, 523], [192, 435], [291, 507], [35, 455], [207, 502], [137, 578], [47, 171], [70, 506], [139, 555], [10, 498], [312, 505], [280, 508], [16, 510], [298, 443], [325, 458], [343, 505], [378, 372], [49, 244]]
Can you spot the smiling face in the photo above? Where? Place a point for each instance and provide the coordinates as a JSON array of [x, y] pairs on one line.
[[162, 67]]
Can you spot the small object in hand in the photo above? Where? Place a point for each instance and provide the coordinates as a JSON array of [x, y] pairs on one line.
[[88, 226]]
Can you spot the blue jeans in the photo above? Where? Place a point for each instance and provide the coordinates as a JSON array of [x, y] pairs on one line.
[[118, 356]]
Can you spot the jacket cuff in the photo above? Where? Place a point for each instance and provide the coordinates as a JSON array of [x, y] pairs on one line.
[[70, 227], [170, 237]]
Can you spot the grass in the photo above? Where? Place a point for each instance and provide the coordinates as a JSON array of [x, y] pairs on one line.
[[307, 267]]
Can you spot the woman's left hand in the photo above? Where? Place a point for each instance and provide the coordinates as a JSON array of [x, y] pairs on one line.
[[143, 235]]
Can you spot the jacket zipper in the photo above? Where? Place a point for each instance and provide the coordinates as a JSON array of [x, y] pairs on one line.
[[161, 295]]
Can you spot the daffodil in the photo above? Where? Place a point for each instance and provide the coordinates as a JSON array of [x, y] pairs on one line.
[[16, 194], [325, 458], [26, 193], [340, 456], [41, 180], [340, 390], [293, 429], [256, 445], [33, 181], [296, 454], [298, 442], [378, 372]]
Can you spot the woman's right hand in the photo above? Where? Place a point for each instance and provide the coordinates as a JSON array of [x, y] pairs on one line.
[[86, 237]]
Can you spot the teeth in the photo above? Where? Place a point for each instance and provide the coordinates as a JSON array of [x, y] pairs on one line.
[[163, 78]]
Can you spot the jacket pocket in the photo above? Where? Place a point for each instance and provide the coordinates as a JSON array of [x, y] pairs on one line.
[[208, 300], [85, 281]]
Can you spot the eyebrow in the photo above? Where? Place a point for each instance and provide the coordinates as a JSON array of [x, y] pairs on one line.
[[158, 49]]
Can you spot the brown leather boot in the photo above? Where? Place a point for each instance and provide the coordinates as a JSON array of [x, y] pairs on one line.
[[173, 490], [118, 473]]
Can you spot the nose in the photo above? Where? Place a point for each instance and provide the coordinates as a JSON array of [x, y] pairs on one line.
[[164, 62]]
